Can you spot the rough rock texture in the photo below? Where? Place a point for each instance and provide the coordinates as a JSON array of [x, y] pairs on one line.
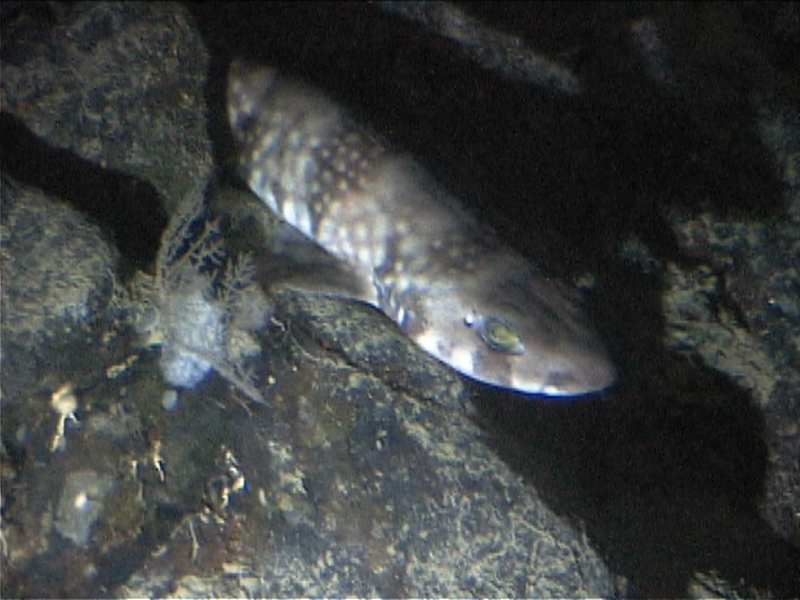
[[58, 274], [58, 268], [654, 150], [122, 89]]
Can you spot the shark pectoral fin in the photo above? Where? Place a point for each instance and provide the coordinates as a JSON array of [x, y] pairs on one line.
[[286, 258]]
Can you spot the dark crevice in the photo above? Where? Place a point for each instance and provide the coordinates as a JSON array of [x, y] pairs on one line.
[[129, 209]]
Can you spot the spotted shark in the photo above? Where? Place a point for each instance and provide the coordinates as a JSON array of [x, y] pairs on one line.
[[443, 278]]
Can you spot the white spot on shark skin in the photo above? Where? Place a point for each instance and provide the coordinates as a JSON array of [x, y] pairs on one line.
[[364, 255], [258, 181], [462, 360], [267, 144], [532, 387], [304, 223], [378, 254], [403, 284], [289, 212], [327, 232], [432, 342], [291, 185], [360, 232], [295, 212], [344, 248], [334, 209]]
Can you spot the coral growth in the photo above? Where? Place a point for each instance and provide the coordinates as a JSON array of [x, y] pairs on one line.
[[201, 306]]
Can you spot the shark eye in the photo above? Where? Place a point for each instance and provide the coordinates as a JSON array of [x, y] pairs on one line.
[[500, 336]]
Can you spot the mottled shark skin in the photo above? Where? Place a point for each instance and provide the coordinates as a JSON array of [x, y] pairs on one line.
[[446, 281]]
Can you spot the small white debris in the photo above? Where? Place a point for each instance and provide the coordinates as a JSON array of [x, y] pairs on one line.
[[169, 400], [64, 402], [82, 504]]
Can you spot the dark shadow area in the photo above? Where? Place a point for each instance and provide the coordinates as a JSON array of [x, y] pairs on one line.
[[51, 575], [666, 483], [128, 208]]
